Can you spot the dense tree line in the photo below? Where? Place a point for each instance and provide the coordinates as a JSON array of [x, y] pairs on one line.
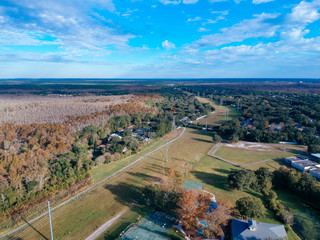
[[271, 116]]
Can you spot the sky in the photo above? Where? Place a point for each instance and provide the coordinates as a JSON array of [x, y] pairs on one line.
[[159, 39]]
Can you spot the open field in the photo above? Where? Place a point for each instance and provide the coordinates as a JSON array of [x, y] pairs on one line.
[[247, 153], [218, 116]]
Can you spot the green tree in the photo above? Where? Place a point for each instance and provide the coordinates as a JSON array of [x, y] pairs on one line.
[[250, 207], [242, 179]]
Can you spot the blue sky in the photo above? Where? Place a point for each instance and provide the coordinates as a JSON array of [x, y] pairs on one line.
[[159, 38]]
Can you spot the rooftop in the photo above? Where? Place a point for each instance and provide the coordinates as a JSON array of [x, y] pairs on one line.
[[317, 155], [305, 163], [315, 170], [190, 185], [257, 231]]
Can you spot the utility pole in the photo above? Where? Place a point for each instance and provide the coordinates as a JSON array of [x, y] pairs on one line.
[[166, 150], [173, 123], [49, 211]]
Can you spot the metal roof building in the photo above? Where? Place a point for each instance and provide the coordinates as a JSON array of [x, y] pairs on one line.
[[250, 229]]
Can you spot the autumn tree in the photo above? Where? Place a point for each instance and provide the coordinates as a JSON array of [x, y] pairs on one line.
[[217, 219]]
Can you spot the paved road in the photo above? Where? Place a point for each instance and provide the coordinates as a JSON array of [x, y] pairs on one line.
[[90, 188], [105, 226]]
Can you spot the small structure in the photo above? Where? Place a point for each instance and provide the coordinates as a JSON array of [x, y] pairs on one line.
[[250, 229]]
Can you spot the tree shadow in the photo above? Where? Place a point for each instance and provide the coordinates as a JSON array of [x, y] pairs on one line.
[[224, 171], [125, 193], [202, 140], [36, 230], [143, 176], [213, 179]]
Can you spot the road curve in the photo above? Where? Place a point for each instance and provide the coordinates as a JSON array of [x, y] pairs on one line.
[[90, 188]]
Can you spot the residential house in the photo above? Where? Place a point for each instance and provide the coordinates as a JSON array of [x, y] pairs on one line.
[[250, 229]]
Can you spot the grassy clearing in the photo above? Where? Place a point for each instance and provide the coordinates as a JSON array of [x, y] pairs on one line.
[[218, 117], [244, 156]]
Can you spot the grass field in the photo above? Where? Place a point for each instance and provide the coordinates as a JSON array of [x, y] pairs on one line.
[[218, 117], [243, 153]]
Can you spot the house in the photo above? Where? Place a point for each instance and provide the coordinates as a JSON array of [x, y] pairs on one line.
[[304, 165], [114, 135], [250, 229], [315, 172]]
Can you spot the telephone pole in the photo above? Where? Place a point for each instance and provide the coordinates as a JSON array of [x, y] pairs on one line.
[[206, 123], [49, 211], [173, 123]]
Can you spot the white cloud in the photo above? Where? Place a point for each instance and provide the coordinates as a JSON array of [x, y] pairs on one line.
[[67, 24], [174, 2], [305, 12], [261, 1], [190, 1], [202, 29], [194, 19], [249, 28], [166, 44]]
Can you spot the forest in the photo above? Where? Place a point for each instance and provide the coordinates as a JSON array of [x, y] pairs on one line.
[[40, 160], [267, 116]]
